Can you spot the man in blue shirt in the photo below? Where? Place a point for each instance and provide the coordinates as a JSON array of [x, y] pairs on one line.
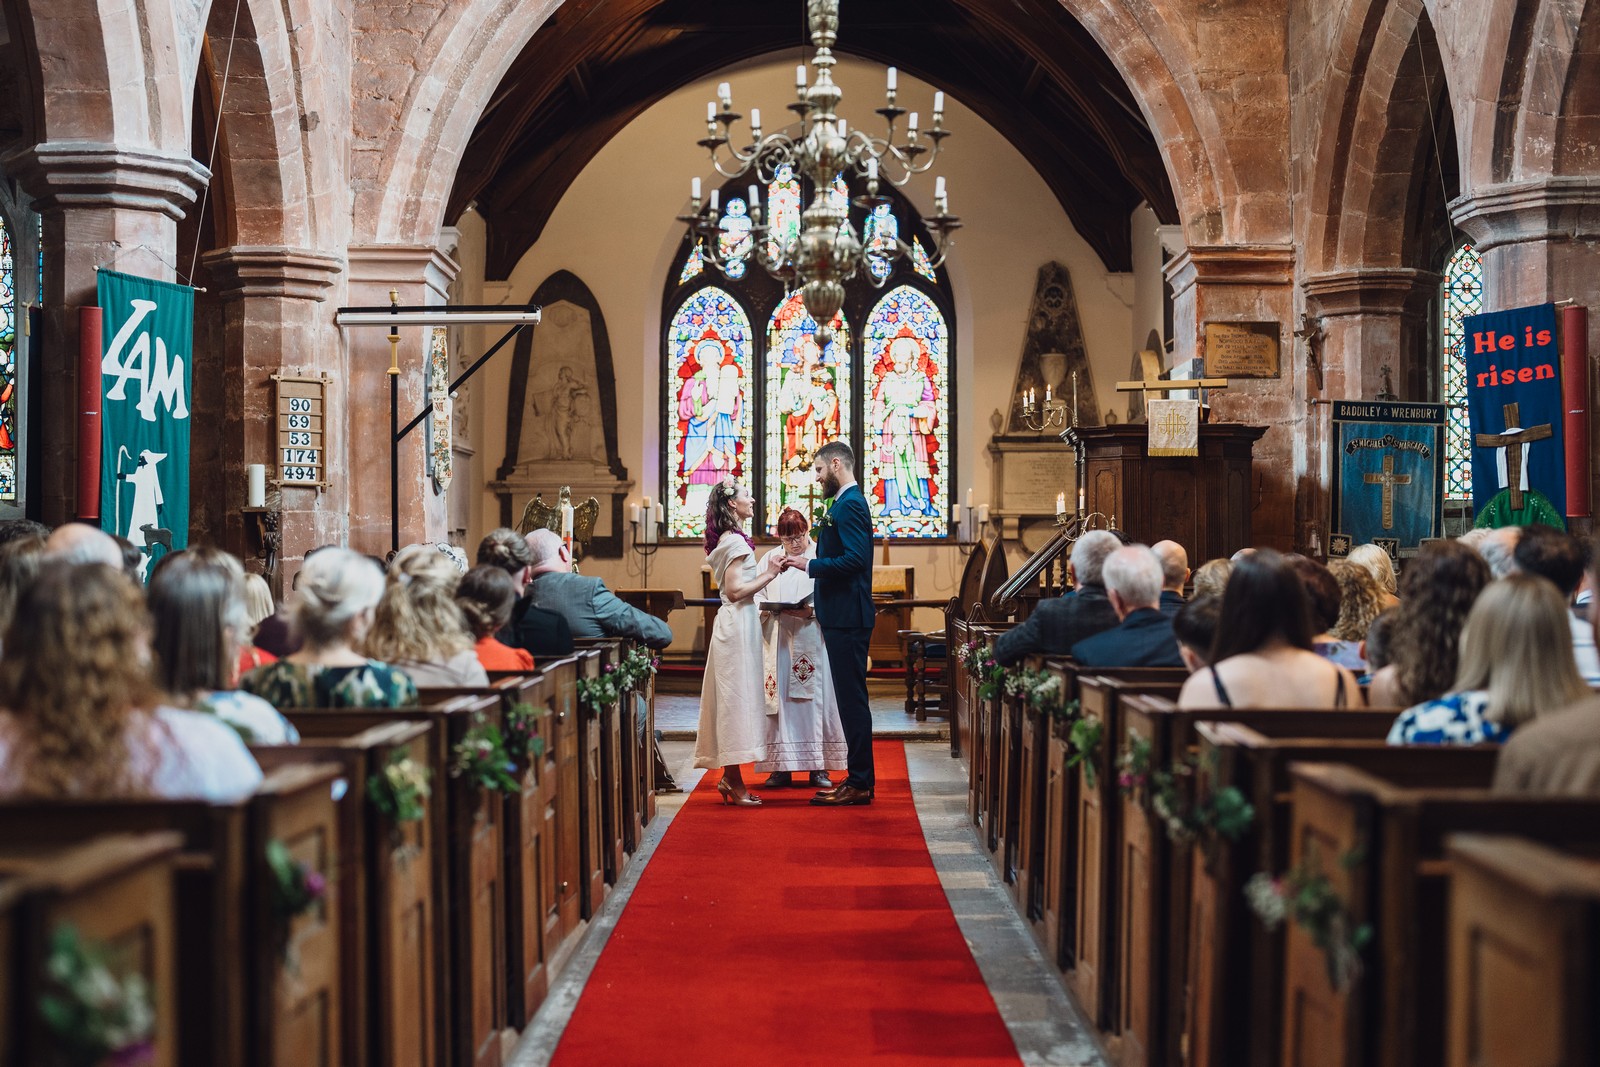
[[1144, 636]]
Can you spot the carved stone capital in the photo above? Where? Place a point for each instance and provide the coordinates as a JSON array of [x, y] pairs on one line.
[[1257, 265], [1370, 291], [402, 266], [272, 271], [67, 174], [1545, 209]]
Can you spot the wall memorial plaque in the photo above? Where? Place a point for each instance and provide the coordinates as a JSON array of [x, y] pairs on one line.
[[301, 408], [1242, 349]]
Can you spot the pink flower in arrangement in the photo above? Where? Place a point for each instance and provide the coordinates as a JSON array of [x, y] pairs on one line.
[[138, 1054], [610, 667], [316, 884]]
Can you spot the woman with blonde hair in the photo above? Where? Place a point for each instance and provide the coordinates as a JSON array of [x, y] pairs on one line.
[[80, 715], [1211, 579], [336, 595], [1360, 601], [1516, 662], [419, 627], [1376, 562]]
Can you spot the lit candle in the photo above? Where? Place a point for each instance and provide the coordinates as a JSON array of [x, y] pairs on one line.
[[893, 76], [969, 497], [647, 505], [1047, 396], [1080, 500], [566, 520], [694, 188], [938, 106], [755, 118], [1061, 503], [256, 497], [800, 76], [872, 168], [661, 513]]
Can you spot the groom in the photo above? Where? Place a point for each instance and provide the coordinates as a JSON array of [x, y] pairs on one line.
[[843, 603]]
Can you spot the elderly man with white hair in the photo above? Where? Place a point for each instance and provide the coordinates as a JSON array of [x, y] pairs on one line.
[[1056, 625], [591, 610], [1144, 638]]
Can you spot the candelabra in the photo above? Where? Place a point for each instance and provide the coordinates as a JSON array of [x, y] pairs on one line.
[[823, 252], [646, 522], [1051, 416]]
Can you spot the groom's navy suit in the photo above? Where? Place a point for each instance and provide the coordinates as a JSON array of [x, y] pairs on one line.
[[843, 603]]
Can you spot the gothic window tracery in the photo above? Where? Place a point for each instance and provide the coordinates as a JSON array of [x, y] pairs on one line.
[[1461, 295]]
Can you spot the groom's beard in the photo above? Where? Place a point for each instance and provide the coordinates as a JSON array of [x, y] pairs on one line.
[[830, 484]]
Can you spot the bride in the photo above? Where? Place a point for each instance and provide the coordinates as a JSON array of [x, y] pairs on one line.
[[732, 727], [803, 729]]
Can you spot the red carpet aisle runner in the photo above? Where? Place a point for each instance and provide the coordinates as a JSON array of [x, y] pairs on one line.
[[788, 934]]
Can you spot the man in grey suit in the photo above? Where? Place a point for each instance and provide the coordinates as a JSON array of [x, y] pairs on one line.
[[1058, 624], [591, 610]]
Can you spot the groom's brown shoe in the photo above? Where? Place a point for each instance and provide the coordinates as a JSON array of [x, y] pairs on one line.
[[843, 796]]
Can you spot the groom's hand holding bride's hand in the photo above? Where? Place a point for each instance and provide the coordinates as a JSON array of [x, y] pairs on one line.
[[795, 562]]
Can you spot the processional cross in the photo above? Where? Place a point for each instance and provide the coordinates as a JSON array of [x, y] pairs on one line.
[[1513, 444], [1388, 479]]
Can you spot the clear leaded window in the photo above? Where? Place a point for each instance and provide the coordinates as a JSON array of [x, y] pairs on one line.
[[1462, 295]]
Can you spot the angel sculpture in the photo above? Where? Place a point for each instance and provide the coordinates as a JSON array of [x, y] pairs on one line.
[[539, 515]]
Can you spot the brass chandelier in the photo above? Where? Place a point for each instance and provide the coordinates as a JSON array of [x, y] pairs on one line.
[[826, 252]]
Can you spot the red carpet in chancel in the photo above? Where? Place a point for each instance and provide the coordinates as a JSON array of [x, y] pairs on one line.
[[789, 935]]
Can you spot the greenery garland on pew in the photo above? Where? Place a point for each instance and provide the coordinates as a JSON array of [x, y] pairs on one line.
[[400, 788], [481, 758], [1084, 740], [1306, 895], [523, 742], [1171, 794], [94, 1017], [979, 661], [597, 694]]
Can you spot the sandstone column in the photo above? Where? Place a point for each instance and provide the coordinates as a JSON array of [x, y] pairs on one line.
[[1371, 317], [103, 205], [277, 319]]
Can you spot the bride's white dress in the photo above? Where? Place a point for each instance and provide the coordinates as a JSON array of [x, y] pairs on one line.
[[733, 721]]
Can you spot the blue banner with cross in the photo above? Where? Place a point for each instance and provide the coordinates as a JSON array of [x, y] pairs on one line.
[[1513, 361], [1388, 475]]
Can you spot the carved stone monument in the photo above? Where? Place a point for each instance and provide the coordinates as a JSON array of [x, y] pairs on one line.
[[561, 415]]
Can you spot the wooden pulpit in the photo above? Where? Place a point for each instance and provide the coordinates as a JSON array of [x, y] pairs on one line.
[[1202, 502]]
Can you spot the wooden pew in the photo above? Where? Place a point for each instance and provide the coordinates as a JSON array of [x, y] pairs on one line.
[[614, 800], [532, 891], [241, 999], [588, 786], [117, 893], [983, 766], [1524, 953], [1381, 847], [1092, 852], [388, 912], [469, 869], [1233, 1001]]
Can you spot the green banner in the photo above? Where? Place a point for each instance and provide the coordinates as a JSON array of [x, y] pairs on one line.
[[145, 349]]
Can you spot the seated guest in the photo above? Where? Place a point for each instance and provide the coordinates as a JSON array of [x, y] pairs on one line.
[[1498, 549], [78, 542], [1375, 649], [197, 605], [591, 610], [1262, 657], [1143, 638], [1212, 577], [1360, 601], [1437, 591], [537, 631], [17, 529], [20, 559], [1061, 622], [132, 557], [1376, 562], [259, 606], [1327, 602], [1562, 559], [485, 596], [337, 593], [1195, 628], [1174, 572], [419, 627], [1516, 662], [81, 715]]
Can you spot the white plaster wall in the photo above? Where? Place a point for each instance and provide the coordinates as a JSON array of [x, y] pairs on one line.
[[616, 229]]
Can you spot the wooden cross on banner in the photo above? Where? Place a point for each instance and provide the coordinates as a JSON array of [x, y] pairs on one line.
[[1513, 443], [1388, 479]]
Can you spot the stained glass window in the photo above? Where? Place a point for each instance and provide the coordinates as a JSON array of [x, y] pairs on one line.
[[808, 403], [735, 242], [906, 350], [920, 261], [693, 264], [709, 356], [8, 370], [1462, 295], [882, 234], [783, 211]]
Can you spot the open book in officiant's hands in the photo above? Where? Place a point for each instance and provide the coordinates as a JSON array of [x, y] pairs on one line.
[[799, 605]]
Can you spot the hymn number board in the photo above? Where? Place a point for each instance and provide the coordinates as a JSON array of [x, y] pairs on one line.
[[301, 409]]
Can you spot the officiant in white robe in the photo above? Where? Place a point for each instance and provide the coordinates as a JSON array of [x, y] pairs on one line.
[[803, 729]]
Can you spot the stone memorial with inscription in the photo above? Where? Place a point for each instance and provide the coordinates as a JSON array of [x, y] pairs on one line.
[[1242, 349]]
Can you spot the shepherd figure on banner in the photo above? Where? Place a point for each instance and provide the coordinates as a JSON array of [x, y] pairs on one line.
[[143, 520]]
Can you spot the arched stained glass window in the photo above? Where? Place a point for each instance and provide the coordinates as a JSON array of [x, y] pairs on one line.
[[920, 261], [1462, 295], [709, 357], [882, 232], [692, 265], [736, 243], [808, 402], [783, 211], [906, 346], [8, 369]]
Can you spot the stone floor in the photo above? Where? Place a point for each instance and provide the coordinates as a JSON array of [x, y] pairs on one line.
[[677, 715], [1044, 1022]]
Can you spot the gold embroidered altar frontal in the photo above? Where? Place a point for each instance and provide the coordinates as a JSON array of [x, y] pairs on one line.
[[1174, 427]]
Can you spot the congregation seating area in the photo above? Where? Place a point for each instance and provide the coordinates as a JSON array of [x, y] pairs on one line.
[[1277, 888], [402, 889]]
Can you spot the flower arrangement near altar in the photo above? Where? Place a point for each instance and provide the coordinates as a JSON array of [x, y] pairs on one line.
[[481, 758], [1306, 896], [400, 788], [596, 694], [94, 1017]]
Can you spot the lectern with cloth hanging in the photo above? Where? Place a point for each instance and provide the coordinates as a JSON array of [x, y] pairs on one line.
[[1203, 502]]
